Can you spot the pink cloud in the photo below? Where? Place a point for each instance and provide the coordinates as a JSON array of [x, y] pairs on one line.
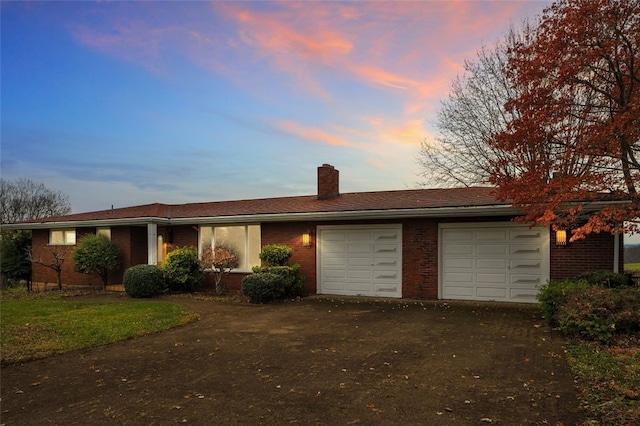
[[312, 134]]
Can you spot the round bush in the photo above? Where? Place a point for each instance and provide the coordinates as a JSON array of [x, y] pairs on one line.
[[291, 280], [182, 269], [263, 287], [144, 281], [276, 254]]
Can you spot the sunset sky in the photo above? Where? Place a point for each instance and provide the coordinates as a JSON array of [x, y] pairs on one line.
[[125, 103]]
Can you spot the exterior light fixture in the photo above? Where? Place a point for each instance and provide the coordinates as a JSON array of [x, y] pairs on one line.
[[561, 237], [306, 238]]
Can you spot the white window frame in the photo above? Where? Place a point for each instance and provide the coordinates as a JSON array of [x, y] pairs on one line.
[[242, 268], [68, 237]]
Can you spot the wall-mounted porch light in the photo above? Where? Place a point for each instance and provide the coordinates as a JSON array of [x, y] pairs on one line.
[[306, 238], [561, 237]]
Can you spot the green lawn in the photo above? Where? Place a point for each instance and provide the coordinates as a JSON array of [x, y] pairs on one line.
[[34, 327], [632, 266]]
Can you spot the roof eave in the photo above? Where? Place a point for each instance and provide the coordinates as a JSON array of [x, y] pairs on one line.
[[134, 221], [495, 210]]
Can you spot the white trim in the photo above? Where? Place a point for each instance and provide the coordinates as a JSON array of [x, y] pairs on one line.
[[152, 244], [616, 253]]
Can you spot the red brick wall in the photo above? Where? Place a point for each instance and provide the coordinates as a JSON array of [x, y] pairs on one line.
[[291, 235], [590, 254], [420, 259], [419, 256], [41, 249]]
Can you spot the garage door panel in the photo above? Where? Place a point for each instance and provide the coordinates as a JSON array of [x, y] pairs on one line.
[[359, 248], [359, 235], [334, 273], [335, 284], [371, 260], [458, 263], [359, 274], [386, 236], [492, 293], [385, 264], [457, 277], [520, 264], [459, 292], [334, 262], [497, 261], [526, 280], [491, 278], [492, 235], [387, 250], [526, 251], [492, 250], [523, 295], [358, 262], [334, 247], [458, 249], [489, 263], [526, 235]]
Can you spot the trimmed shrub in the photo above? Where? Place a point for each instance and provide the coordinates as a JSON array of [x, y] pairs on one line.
[[291, 280], [607, 279], [599, 314], [144, 281], [182, 269], [555, 293], [263, 287], [276, 254]]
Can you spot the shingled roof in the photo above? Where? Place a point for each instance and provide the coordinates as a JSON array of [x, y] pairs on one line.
[[405, 201]]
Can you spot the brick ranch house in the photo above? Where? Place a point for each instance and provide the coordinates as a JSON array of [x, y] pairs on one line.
[[427, 243]]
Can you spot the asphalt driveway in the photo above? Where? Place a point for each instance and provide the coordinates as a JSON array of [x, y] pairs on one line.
[[319, 361]]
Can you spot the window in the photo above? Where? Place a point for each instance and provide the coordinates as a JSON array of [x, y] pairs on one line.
[[244, 239], [62, 237], [104, 231]]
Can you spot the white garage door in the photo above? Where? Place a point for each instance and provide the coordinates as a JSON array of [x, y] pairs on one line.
[[360, 260], [504, 262]]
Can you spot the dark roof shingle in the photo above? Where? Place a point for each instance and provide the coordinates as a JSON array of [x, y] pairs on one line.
[[349, 202]]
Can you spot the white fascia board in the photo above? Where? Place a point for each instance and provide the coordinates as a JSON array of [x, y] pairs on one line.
[[137, 221]]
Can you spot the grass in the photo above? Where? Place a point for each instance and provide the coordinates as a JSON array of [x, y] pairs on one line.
[[632, 266], [42, 325], [609, 380]]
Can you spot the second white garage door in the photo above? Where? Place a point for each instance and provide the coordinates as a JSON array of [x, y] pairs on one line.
[[493, 261], [360, 260]]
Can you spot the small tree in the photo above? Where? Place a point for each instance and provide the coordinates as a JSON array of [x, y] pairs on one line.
[[51, 257], [219, 260], [96, 255], [182, 269]]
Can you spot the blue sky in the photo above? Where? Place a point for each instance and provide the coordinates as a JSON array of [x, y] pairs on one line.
[[126, 103]]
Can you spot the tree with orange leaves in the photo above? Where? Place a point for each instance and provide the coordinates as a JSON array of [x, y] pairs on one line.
[[569, 157]]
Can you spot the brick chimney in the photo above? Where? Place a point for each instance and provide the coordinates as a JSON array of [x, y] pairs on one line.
[[328, 182]]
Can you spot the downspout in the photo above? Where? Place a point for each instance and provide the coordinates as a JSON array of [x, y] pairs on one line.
[[616, 253]]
